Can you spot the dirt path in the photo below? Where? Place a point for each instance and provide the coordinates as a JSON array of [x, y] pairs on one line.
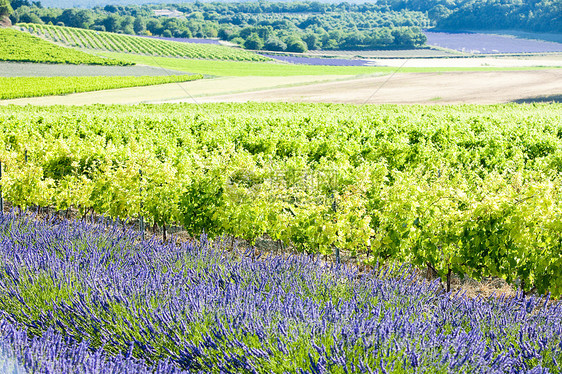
[[421, 88]]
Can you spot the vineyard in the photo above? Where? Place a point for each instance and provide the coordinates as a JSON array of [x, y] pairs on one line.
[[17, 87], [106, 41], [20, 46], [458, 190]]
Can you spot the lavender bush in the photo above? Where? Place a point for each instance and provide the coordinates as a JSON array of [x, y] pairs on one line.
[[472, 42], [320, 61], [92, 297]]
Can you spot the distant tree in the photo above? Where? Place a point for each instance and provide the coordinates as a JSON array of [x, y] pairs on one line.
[[185, 33], [273, 43], [80, 18], [15, 4], [225, 33], [381, 38], [196, 16], [111, 8], [112, 23], [312, 41], [237, 40], [253, 41], [5, 8], [330, 44], [295, 44], [139, 26], [439, 13], [408, 37], [154, 26], [126, 25], [30, 18]]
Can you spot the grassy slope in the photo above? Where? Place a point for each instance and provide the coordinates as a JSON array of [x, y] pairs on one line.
[[242, 69], [19, 46], [12, 88]]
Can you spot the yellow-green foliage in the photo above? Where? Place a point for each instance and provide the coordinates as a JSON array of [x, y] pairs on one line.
[[19, 46], [108, 41], [18, 87]]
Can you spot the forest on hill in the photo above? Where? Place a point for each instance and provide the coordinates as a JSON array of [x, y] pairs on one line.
[[301, 26]]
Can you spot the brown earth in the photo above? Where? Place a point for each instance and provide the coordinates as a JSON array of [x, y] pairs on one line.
[[468, 87], [5, 21], [477, 87]]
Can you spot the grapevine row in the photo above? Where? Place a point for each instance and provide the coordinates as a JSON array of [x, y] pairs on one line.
[[107, 41], [456, 189]]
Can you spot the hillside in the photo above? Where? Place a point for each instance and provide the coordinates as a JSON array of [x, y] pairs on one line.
[[20, 46], [108, 41]]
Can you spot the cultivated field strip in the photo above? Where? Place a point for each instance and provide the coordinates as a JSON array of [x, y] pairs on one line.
[[19, 87], [98, 40]]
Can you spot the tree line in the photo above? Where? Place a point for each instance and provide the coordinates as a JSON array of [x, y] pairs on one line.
[[294, 27], [300, 26]]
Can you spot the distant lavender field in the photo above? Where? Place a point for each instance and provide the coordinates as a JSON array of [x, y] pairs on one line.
[[186, 40], [489, 44], [320, 61]]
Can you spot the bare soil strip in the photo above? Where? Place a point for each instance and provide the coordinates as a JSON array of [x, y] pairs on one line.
[[22, 69], [174, 92], [421, 88]]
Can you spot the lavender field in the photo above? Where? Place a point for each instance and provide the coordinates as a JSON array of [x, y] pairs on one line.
[[92, 298], [320, 61], [471, 42]]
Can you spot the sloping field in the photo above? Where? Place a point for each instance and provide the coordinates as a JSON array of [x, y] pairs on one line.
[[420, 88], [108, 41], [19, 46]]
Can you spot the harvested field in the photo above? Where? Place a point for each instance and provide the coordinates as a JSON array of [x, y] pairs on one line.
[[22, 69], [421, 88], [552, 60], [477, 87]]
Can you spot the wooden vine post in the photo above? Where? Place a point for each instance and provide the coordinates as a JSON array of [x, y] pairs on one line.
[[141, 218]]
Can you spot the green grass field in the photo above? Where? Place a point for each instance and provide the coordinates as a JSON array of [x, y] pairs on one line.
[[268, 69], [18, 87]]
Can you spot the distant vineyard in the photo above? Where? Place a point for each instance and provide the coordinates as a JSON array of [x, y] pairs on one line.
[[107, 41], [468, 190], [18, 87], [22, 47]]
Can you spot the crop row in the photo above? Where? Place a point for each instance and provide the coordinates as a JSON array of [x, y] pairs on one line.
[[457, 189], [91, 298], [18, 87], [19, 46], [107, 41]]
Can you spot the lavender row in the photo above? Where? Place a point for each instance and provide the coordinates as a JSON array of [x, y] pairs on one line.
[[97, 291], [471, 42], [320, 61], [53, 353]]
